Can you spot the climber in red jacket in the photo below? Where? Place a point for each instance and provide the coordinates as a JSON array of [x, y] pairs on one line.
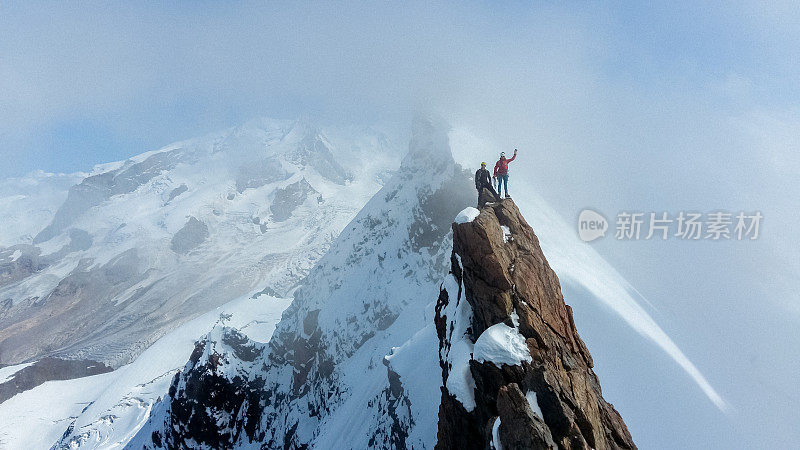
[[501, 172]]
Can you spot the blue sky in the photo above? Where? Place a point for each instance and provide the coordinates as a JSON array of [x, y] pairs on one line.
[[616, 106]]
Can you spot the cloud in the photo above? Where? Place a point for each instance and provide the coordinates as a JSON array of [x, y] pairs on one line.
[[165, 73]]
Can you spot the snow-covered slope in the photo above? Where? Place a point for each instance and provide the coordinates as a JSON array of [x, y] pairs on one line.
[[28, 203], [104, 411], [138, 247], [328, 377]]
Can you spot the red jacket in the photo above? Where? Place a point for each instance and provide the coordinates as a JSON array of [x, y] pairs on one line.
[[501, 167]]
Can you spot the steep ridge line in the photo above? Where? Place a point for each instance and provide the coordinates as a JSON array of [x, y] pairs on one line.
[[530, 373], [332, 375]]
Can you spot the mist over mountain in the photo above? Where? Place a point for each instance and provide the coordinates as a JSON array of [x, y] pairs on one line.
[[115, 264], [140, 246], [277, 279]]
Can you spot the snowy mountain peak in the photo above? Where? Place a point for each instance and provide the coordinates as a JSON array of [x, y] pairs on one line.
[[325, 376], [138, 247]]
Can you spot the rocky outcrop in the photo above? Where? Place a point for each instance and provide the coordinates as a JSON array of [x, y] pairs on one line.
[[515, 372], [259, 173], [48, 369], [213, 401], [289, 198], [176, 192], [190, 236], [19, 262], [485, 196]]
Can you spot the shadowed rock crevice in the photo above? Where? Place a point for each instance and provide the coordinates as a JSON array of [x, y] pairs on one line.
[[549, 397]]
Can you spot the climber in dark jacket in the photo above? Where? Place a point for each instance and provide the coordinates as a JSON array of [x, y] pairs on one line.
[[484, 180]]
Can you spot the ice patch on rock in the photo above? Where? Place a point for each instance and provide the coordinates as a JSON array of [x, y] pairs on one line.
[[467, 214], [496, 444], [460, 382], [7, 372], [506, 233], [501, 344], [533, 402]]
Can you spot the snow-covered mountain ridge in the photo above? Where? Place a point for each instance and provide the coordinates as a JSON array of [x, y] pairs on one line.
[[139, 247], [329, 376], [354, 361]]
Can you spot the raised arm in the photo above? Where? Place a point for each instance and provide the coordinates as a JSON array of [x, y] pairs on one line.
[[512, 158]]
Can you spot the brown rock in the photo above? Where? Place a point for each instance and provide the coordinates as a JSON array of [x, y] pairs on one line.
[[486, 196], [501, 276], [519, 426]]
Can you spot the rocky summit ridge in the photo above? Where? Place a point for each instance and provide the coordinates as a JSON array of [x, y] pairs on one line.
[[515, 372]]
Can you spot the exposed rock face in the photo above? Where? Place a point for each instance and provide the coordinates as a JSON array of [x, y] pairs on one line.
[[19, 262], [214, 400], [259, 173], [176, 192], [485, 196], [190, 236], [549, 397], [47, 369], [289, 198], [77, 300]]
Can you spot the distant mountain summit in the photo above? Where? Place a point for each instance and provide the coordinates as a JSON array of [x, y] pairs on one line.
[[138, 247]]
